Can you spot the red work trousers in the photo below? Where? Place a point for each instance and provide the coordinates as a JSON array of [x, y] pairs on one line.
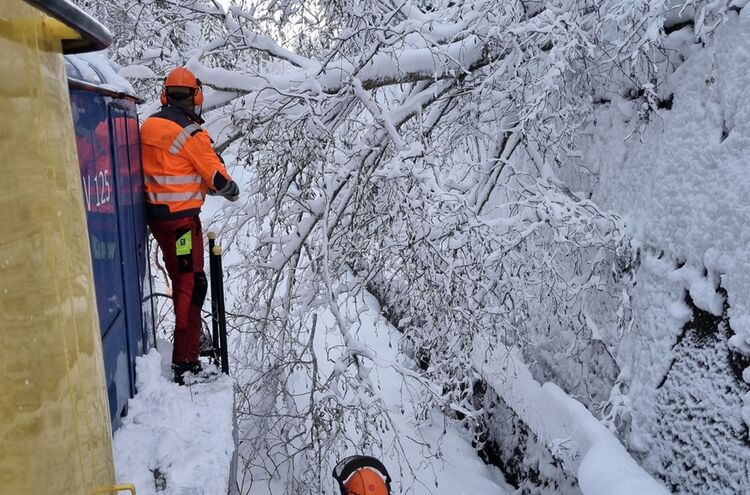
[[181, 242]]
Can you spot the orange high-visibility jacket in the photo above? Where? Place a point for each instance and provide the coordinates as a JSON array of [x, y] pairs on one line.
[[179, 163]]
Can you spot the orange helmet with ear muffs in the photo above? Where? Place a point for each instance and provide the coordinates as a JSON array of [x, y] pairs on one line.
[[362, 475], [183, 78]]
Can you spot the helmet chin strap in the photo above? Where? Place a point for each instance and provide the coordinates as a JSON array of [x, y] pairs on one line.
[[198, 109]]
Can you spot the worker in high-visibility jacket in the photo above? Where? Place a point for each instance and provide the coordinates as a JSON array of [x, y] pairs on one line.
[[180, 167]]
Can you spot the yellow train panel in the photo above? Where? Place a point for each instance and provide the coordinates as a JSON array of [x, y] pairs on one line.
[[54, 426]]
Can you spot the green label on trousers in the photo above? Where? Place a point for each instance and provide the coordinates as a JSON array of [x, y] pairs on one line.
[[184, 244]]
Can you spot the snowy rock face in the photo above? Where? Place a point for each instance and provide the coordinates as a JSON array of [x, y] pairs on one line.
[[697, 422], [682, 185]]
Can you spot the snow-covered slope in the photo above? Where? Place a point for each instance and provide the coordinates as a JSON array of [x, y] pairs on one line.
[[458, 470], [425, 452], [673, 385]]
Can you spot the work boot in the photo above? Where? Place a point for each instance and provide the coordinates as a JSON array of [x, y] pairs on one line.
[[181, 369]]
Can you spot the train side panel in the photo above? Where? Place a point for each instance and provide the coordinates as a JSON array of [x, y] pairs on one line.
[[109, 152]]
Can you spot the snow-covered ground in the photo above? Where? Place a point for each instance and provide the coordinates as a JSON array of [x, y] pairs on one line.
[[175, 440]]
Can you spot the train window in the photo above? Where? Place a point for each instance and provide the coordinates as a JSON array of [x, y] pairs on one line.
[[71, 70], [87, 72], [99, 74]]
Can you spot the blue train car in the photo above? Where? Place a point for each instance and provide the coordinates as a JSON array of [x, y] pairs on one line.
[[108, 144]]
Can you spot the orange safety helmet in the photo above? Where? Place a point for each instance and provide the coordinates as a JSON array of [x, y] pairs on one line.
[[183, 78], [362, 475], [366, 481]]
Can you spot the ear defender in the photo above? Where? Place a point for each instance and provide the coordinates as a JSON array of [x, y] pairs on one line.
[[198, 96]]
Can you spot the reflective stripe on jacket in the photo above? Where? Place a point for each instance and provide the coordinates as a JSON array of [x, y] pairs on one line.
[[179, 162]]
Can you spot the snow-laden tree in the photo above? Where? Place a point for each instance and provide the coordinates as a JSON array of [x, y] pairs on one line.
[[416, 150]]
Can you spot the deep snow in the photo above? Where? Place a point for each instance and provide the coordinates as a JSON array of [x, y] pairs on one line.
[[175, 440], [586, 448]]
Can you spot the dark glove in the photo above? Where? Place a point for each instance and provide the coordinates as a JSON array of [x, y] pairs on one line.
[[230, 191]]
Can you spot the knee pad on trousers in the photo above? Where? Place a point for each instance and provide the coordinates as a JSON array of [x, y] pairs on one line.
[[199, 289]]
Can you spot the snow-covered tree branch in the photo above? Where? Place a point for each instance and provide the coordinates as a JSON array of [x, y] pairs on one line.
[[423, 151]]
